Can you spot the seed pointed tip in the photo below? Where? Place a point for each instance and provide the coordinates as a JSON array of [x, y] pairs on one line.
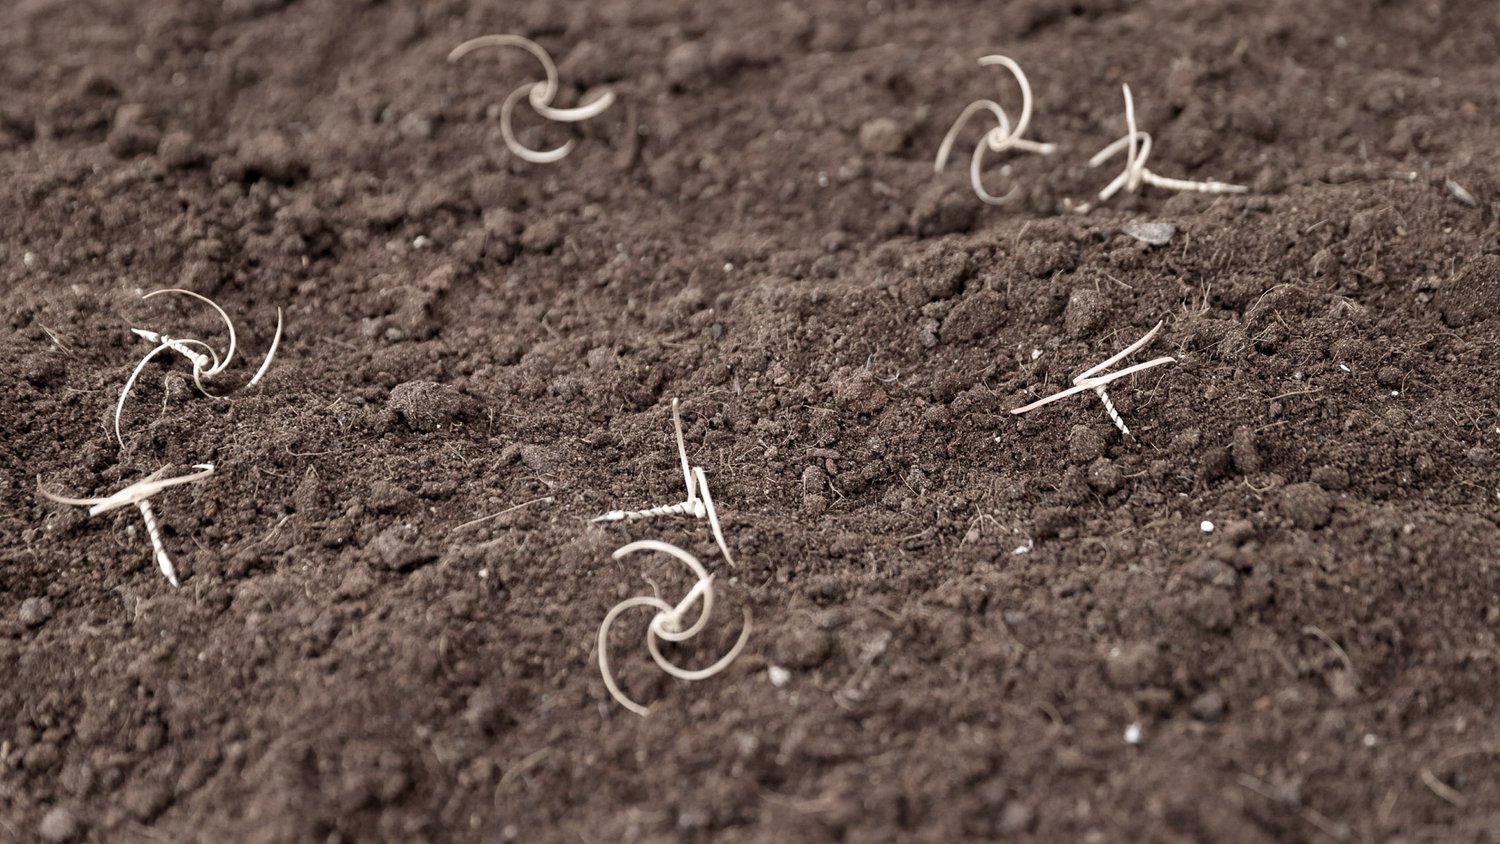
[[165, 563]]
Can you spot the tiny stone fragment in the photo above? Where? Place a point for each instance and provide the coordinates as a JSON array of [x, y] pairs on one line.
[[1343, 685], [1132, 665], [882, 136], [686, 62], [1458, 192], [1154, 234], [34, 612], [1208, 706], [58, 825], [178, 150]]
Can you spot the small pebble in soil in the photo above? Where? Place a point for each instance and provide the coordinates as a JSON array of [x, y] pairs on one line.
[[779, 676], [1131, 666], [58, 825], [416, 125], [1206, 526], [1208, 706], [179, 150], [1458, 192], [1154, 234], [882, 136], [1133, 734], [34, 612], [686, 62]]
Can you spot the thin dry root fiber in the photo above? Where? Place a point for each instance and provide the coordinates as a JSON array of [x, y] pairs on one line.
[[1137, 146], [139, 495], [205, 363], [699, 503], [999, 139], [667, 624], [1090, 379], [539, 94]]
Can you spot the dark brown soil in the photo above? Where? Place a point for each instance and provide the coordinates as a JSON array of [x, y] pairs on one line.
[[848, 332]]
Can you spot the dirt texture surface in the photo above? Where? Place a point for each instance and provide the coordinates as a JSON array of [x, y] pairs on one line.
[[984, 626]]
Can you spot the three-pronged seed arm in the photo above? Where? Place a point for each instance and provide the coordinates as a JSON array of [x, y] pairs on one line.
[[539, 94], [699, 503], [1137, 147], [998, 139], [139, 495], [1090, 379], [667, 623], [205, 363]]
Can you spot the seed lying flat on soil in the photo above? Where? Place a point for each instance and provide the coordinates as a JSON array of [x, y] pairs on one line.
[[139, 494], [1090, 380], [667, 624]]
